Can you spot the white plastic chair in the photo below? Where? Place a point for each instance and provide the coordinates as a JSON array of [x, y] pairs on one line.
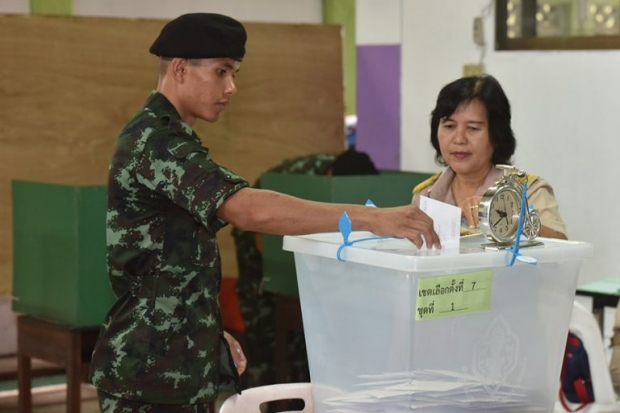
[[250, 400], [584, 325]]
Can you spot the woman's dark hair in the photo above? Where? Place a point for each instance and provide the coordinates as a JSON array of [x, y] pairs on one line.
[[487, 90]]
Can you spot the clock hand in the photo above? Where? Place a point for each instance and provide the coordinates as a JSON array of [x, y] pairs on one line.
[[497, 222], [502, 215]]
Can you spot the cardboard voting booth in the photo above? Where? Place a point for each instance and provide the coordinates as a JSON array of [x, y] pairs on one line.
[[59, 252], [395, 329], [388, 189]]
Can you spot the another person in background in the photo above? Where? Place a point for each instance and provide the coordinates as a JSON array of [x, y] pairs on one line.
[[471, 133], [614, 363], [257, 305], [162, 347]]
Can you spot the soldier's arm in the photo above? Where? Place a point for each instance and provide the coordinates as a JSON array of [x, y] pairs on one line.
[[275, 213]]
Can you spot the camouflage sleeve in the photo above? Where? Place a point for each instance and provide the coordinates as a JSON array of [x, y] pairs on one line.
[[315, 164], [183, 172]]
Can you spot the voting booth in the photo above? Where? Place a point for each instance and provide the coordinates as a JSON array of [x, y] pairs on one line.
[[392, 328], [60, 271]]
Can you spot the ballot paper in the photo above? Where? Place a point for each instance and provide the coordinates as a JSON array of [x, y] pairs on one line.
[[431, 391], [446, 220]]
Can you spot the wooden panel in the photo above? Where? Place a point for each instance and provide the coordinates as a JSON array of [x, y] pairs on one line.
[[69, 84]]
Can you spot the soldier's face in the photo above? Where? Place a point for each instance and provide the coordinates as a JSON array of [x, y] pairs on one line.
[[207, 88]]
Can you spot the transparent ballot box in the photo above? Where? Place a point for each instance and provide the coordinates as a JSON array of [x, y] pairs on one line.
[[393, 329]]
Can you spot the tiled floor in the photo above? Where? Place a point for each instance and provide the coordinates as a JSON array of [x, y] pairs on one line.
[[51, 399], [49, 391]]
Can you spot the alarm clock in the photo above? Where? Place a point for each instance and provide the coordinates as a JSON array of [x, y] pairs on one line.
[[503, 212]]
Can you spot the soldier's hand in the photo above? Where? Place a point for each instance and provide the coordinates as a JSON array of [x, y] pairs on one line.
[[409, 222], [237, 353]]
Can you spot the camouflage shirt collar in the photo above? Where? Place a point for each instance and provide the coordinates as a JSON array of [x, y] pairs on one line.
[[163, 108]]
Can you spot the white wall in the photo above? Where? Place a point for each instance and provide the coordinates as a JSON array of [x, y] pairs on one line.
[[8, 327], [377, 22], [14, 6], [272, 11], [565, 110]]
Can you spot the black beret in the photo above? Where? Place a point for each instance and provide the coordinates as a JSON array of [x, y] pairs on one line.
[[201, 36]]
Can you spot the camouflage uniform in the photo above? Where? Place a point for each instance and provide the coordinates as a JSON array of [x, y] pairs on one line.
[[162, 341], [111, 404], [257, 306]]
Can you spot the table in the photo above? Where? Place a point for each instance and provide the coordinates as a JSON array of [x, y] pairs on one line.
[[68, 346], [604, 293]]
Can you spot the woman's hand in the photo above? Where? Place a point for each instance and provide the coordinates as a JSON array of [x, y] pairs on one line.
[[236, 352], [469, 208]]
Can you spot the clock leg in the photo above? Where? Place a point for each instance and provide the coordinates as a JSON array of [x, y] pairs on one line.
[[531, 225]]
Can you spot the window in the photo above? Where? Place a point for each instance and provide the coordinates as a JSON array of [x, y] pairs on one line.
[[557, 24]]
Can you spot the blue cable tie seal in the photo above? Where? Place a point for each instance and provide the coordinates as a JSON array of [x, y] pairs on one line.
[[513, 254], [345, 228]]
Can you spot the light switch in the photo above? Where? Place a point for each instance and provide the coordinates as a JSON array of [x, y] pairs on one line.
[[478, 31]]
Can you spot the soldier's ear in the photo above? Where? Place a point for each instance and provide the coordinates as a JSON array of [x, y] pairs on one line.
[[179, 68]]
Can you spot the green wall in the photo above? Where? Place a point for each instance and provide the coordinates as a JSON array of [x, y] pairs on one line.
[[52, 7], [342, 12]]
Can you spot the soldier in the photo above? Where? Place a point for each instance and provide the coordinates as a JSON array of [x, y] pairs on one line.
[[161, 347], [257, 305]]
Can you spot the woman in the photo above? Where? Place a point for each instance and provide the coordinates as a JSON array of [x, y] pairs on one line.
[[471, 133]]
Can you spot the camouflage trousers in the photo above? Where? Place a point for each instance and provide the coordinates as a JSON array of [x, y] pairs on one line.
[[113, 404]]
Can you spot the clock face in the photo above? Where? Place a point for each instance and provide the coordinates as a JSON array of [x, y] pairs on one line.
[[504, 214]]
